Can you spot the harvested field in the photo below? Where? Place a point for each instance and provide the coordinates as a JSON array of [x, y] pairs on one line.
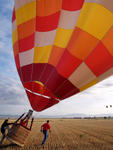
[[69, 134]]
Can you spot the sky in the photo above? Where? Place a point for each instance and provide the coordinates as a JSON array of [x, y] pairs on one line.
[[13, 99]]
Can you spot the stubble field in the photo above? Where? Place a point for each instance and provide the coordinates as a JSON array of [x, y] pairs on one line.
[[69, 134]]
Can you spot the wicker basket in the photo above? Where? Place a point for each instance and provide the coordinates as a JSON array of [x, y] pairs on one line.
[[18, 134]]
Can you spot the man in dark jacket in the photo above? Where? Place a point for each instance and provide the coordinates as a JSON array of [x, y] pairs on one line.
[[4, 126]]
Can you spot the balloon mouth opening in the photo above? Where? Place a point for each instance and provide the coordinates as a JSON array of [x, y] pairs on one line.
[[38, 88], [39, 96]]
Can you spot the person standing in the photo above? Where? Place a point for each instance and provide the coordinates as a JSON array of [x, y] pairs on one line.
[[44, 128]]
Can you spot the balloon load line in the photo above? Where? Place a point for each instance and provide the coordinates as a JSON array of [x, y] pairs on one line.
[[41, 95]]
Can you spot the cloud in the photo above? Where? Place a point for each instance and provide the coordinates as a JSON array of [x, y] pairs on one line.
[[106, 84], [2, 45], [6, 5], [5, 26], [12, 92], [13, 109], [9, 5]]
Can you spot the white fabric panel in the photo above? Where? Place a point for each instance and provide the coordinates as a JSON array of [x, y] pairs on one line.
[[106, 3], [81, 76], [44, 38], [20, 3], [106, 74], [68, 19], [26, 57], [14, 26]]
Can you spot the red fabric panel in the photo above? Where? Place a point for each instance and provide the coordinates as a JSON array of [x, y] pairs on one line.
[[17, 61], [71, 93], [46, 73], [20, 75], [68, 63], [99, 60], [37, 71], [47, 23], [26, 43], [67, 89], [13, 15], [52, 102], [54, 81], [26, 73], [72, 5], [40, 103]]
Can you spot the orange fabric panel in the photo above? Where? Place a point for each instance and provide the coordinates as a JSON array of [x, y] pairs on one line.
[[48, 7], [26, 29], [81, 43], [15, 48], [108, 42], [55, 56]]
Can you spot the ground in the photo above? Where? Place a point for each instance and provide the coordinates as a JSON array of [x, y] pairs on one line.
[[69, 134]]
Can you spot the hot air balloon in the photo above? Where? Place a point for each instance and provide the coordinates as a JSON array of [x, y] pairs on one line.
[[61, 47]]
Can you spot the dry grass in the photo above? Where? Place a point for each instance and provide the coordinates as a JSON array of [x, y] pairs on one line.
[[70, 134]]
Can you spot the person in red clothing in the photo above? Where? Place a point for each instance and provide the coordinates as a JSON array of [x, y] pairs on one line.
[[44, 128], [23, 123]]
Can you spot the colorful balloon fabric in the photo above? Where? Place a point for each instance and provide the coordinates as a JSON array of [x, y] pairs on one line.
[[61, 47]]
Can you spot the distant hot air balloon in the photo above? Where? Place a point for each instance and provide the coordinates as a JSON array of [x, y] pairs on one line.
[[61, 47], [109, 106]]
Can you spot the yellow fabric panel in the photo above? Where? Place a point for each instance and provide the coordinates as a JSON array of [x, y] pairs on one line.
[[88, 85], [41, 54], [26, 12], [14, 36], [62, 37], [95, 19], [39, 82]]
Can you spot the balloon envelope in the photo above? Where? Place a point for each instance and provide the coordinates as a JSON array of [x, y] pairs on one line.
[[61, 47]]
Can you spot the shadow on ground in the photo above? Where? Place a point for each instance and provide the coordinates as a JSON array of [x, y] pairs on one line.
[[8, 145]]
